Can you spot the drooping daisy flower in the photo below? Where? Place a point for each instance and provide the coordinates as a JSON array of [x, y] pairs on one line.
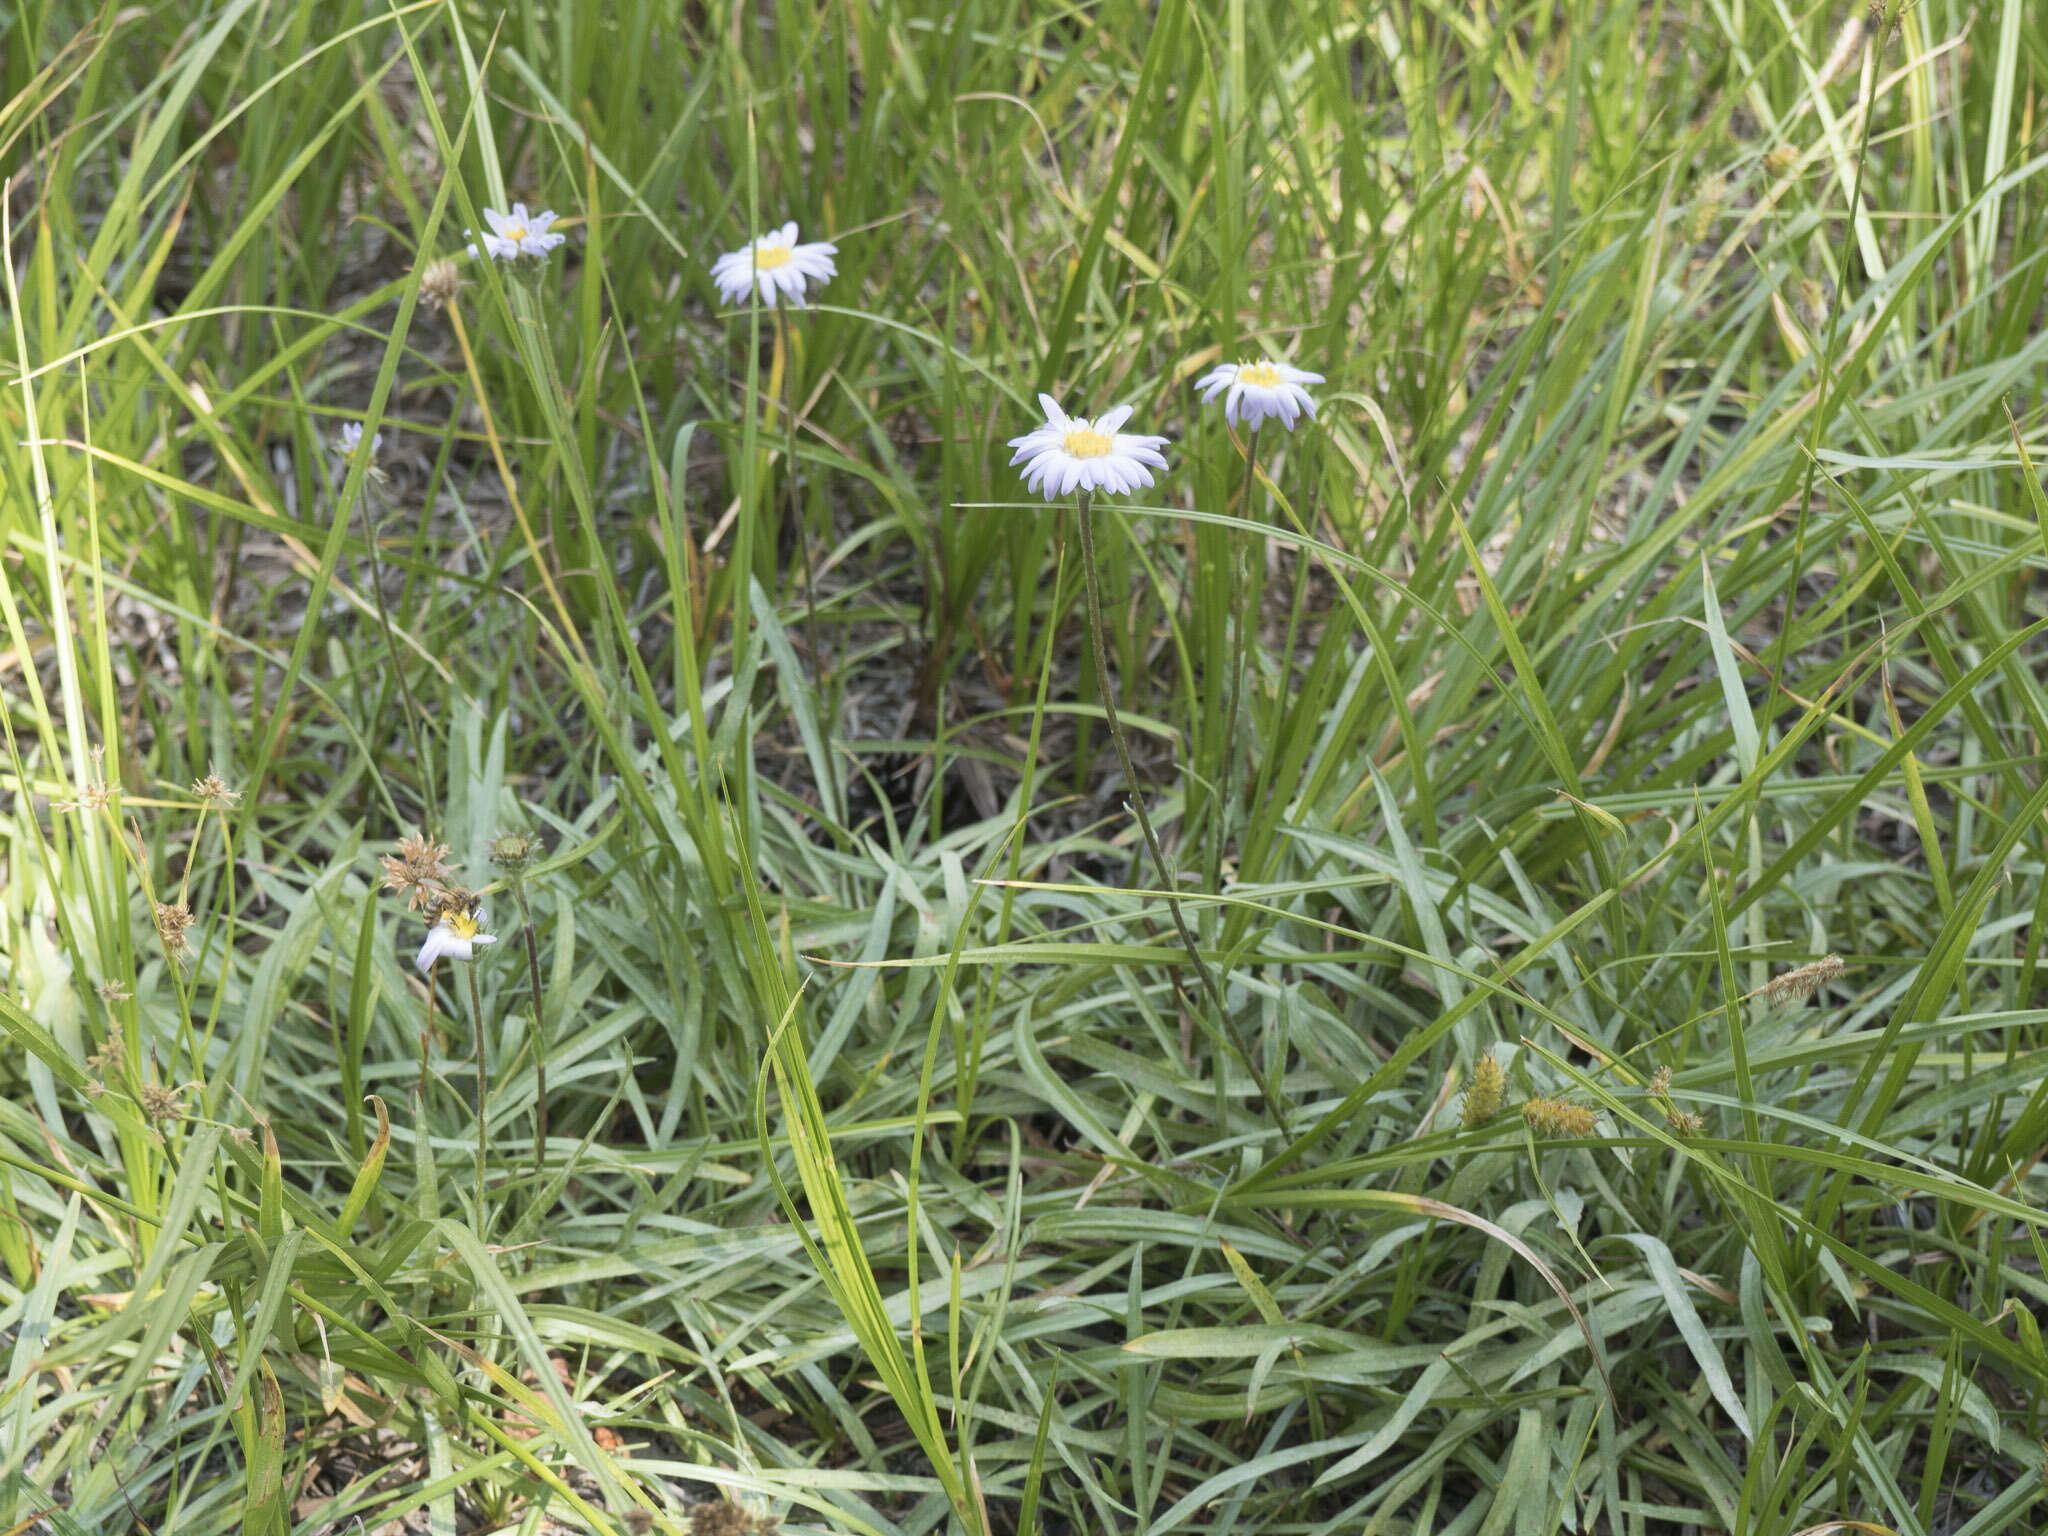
[[456, 935], [1072, 453], [518, 233], [775, 266], [352, 439], [1258, 390]]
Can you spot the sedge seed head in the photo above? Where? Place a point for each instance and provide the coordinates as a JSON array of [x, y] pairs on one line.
[[1799, 985], [1556, 1117], [172, 919], [1483, 1097]]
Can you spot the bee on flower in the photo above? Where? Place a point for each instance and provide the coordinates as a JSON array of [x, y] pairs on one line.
[[457, 933], [775, 267], [517, 234], [1252, 391], [1071, 453]]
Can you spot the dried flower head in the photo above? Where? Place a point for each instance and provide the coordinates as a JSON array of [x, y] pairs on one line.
[[722, 1517], [96, 793], [1660, 1082], [172, 919], [1556, 1117], [213, 792], [1483, 1097], [418, 871], [440, 283], [1684, 1123], [112, 992], [160, 1103], [1799, 985], [107, 1057]]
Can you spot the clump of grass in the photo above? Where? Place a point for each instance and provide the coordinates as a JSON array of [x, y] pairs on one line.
[[1036, 1136]]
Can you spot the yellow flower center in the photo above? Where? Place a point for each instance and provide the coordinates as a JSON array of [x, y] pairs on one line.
[[769, 257], [1087, 443], [1265, 375], [515, 232], [462, 924]]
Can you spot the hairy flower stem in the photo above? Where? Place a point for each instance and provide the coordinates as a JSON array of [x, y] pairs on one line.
[[1097, 638], [483, 1089], [1235, 697], [540, 1039], [783, 369]]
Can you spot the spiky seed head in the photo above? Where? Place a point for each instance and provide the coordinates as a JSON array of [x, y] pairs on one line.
[[1483, 1097], [1556, 1117]]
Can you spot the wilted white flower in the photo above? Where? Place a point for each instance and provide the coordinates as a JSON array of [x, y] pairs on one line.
[[456, 935], [518, 233], [352, 438], [1258, 390], [775, 266], [1072, 452]]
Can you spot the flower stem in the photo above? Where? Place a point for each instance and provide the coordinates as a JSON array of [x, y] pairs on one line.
[[785, 353], [1235, 696], [1086, 522], [540, 1040], [483, 1088]]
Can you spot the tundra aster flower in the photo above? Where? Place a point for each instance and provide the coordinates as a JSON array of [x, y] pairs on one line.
[[352, 439], [1072, 453], [456, 935], [1256, 390], [518, 233], [775, 266]]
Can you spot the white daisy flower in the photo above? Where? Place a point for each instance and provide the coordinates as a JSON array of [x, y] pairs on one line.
[[456, 935], [518, 233], [1072, 452], [1258, 390], [352, 438], [775, 266]]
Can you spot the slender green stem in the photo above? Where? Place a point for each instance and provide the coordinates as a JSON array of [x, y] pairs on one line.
[[785, 346], [540, 1037], [412, 713], [1086, 521], [483, 1088], [1238, 587]]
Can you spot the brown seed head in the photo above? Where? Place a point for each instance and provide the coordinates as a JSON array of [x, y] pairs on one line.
[[440, 283], [172, 919], [1684, 1123], [213, 792], [1660, 1082], [1799, 985], [161, 1103], [718, 1517]]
